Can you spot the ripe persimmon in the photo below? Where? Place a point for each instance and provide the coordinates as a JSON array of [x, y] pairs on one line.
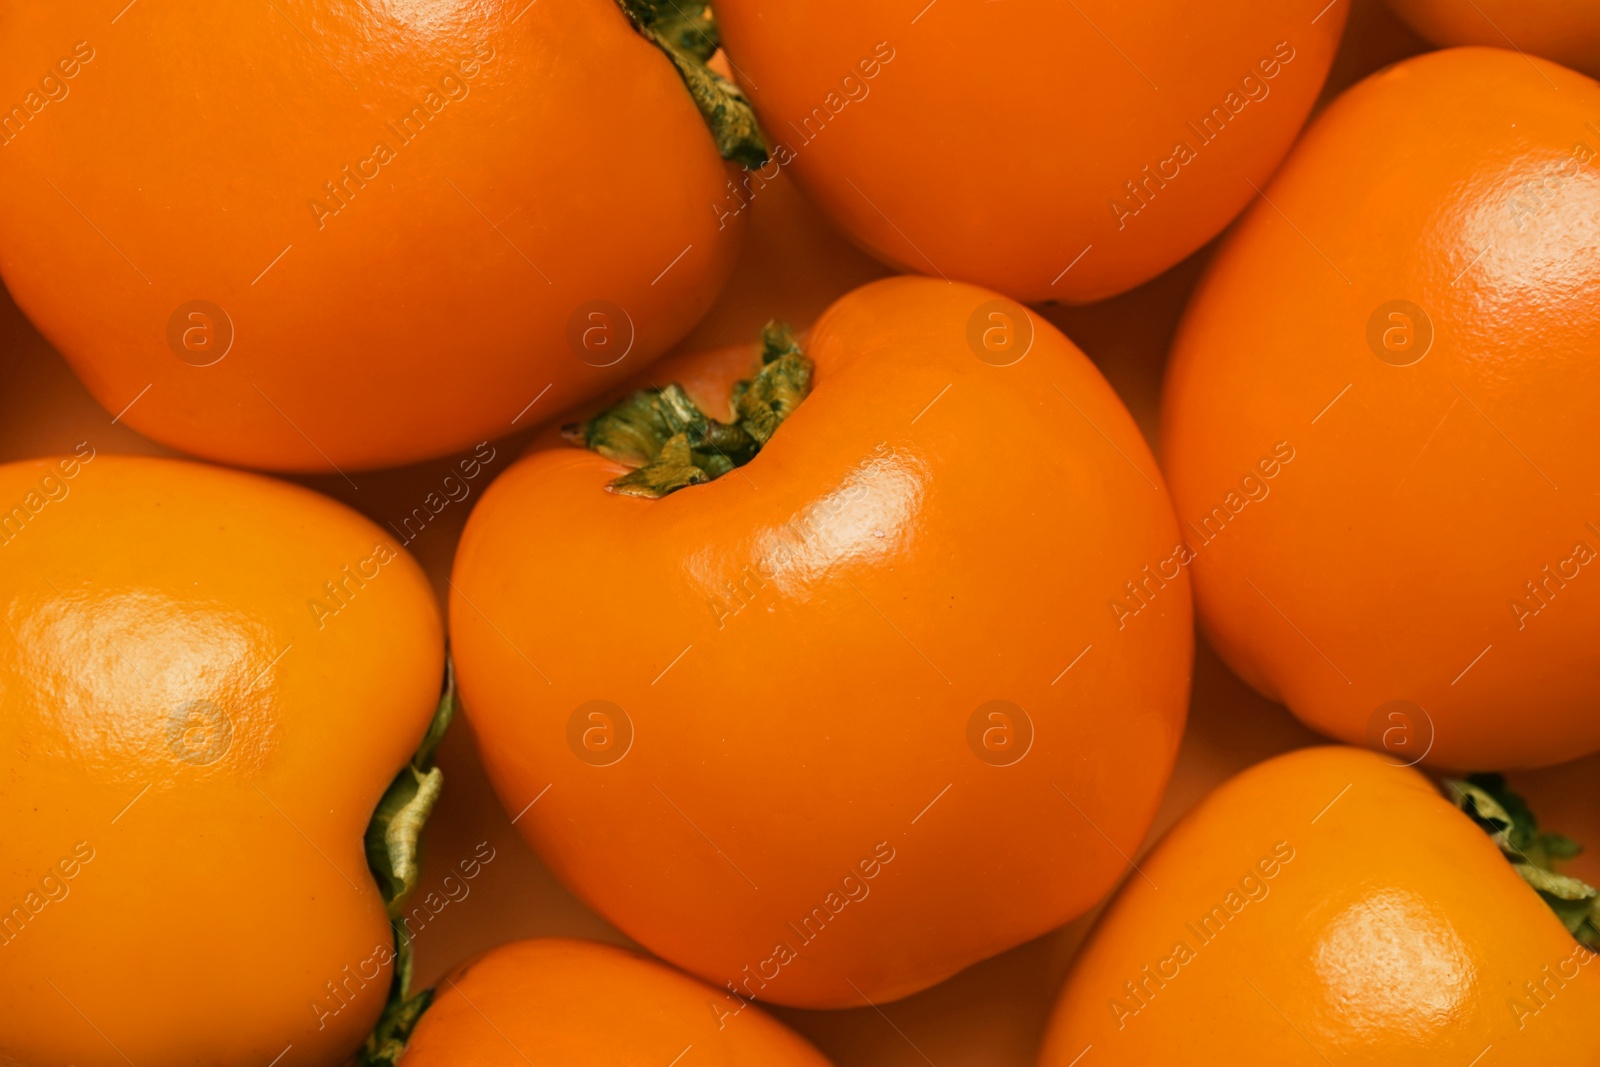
[[1561, 30], [1404, 332], [303, 236], [1330, 906], [1051, 151], [208, 679], [803, 712], [567, 1003]]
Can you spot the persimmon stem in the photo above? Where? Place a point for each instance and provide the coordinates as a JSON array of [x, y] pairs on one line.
[[686, 33], [670, 443], [1506, 817], [392, 843]]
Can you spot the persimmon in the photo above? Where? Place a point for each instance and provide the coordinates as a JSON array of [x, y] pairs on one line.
[[1404, 332], [1061, 152], [567, 1003], [1331, 906], [828, 710], [304, 236], [1555, 29], [208, 680]]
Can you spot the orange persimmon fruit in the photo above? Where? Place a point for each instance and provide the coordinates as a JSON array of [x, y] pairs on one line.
[[208, 679], [567, 1003], [1328, 906], [1051, 151], [1378, 420], [301, 236], [857, 713], [1561, 30]]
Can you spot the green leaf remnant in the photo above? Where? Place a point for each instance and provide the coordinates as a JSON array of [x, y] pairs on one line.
[[671, 444], [393, 841], [1533, 853], [686, 32]]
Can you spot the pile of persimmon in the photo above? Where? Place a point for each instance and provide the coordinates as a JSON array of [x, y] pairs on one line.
[[821, 660]]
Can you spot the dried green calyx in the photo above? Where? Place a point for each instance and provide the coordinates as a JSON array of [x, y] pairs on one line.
[[393, 842], [671, 443], [687, 33], [1505, 816]]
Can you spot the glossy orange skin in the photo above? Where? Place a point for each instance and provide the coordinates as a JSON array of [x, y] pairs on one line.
[[1390, 930], [988, 142], [226, 882], [561, 161], [1566, 32], [567, 1003], [800, 695], [1388, 561]]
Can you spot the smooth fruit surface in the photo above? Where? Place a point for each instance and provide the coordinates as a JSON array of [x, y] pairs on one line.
[[1328, 906], [1561, 30], [861, 712], [351, 235], [1413, 316], [194, 732], [1050, 151], [566, 1003]]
